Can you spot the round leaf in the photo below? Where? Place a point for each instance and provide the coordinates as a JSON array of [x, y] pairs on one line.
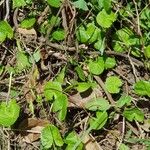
[[104, 19], [147, 51], [98, 104], [9, 113], [54, 3], [58, 35], [96, 67], [46, 137], [113, 84], [133, 114], [28, 23], [142, 88], [110, 62]]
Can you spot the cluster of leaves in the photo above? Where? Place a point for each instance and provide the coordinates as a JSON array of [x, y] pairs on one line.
[[91, 32]]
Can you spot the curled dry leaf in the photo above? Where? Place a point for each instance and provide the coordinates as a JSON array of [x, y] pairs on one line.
[[31, 129], [26, 31]]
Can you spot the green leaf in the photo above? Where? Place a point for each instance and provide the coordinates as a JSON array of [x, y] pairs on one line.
[[113, 84], [102, 21], [81, 4], [133, 114], [110, 63], [118, 46], [18, 3], [136, 52], [100, 120], [96, 67], [2, 36], [97, 104], [93, 32], [80, 73], [123, 147], [107, 5], [124, 35], [28, 23], [60, 77], [54, 21], [100, 44], [54, 3], [52, 89], [60, 106], [22, 61], [142, 88], [147, 51], [58, 35], [49, 135], [9, 113], [83, 86], [89, 34], [82, 35], [123, 100], [56, 136], [122, 39], [71, 139], [37, 55], [5, 31]]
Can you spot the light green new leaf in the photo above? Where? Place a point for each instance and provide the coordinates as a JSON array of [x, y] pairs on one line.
[[96, 67], [122, 39], [113, 84], [37, 55], [5, 31], [80, 73], [82, 35], [110, 63], [93, 32], [2, 36], [60, 77], [123, 147], [97, 104], [28, 23], [123, 100], [81, 4], [54, 3], [133, 114], [49, 135], [83, 86], [100, 120], [124, 35], [60, 106], [52, 89], [56, 136], [88, 34], [147, 51], [104, 19], [100, 44], [142, 88], [18, 3], [58, 35], [71, 139], [22, 61], [9, 113]]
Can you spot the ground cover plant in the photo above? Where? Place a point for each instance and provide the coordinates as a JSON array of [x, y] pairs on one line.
[[74, 74]]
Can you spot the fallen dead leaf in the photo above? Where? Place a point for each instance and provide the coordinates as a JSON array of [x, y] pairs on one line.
[[32, 128], [77, 100]]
